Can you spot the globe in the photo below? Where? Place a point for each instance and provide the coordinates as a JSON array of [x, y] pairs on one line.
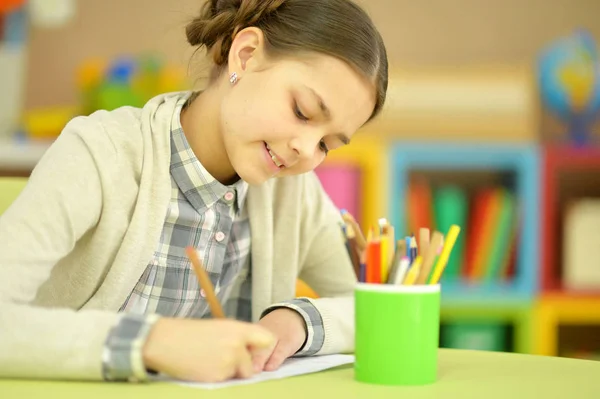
[[569, 83]]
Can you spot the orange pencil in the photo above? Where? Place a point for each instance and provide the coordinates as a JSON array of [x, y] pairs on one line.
[[205, 284], [374, 262]]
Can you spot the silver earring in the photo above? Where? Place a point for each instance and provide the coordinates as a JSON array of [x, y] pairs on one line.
[[233, 78]]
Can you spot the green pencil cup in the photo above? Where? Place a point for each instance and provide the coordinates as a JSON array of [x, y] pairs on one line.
[[397, 333]]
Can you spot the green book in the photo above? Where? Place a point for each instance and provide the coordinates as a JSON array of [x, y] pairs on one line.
[[451, 207], [501, 241]]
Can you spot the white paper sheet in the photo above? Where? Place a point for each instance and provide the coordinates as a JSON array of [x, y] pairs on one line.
[[291, 367]]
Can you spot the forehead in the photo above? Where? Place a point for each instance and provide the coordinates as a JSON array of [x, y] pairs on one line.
[[348, 94]]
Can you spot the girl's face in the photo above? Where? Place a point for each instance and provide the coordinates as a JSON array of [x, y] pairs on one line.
[[282, 119]]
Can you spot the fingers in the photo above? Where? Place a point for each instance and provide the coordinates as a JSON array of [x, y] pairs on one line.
[[260, 357], [244, 368], [280, 353], [258, 336], [360, 239]]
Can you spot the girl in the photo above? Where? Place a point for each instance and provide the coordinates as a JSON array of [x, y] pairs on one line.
[[94, 279]]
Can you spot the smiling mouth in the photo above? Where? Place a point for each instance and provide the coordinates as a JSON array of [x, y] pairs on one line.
[[273, 157]]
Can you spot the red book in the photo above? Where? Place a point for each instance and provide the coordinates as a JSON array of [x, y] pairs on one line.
[[475, 237], [420, 206]]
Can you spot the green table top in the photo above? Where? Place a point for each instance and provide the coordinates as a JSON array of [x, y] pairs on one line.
[[462, 374]]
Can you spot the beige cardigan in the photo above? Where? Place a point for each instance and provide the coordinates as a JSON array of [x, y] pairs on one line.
[[80, 235]]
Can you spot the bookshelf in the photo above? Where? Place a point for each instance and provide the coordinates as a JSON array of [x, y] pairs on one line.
[[499, 311], [564, 316], [555, 311], [567, 174], [514, 318], [519, 160]]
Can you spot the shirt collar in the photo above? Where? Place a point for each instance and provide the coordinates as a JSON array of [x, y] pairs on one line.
[[200, 188]]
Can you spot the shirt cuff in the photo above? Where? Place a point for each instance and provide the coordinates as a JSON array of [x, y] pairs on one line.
[[122, 356], [315, 331]]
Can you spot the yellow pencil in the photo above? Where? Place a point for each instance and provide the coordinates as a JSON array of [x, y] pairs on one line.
[[384, 263], [449, 241], [413, 273]]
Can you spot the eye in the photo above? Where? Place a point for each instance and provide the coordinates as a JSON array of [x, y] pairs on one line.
[[299, 113], [323, 147]]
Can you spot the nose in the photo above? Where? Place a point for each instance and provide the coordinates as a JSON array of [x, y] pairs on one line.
[[305, 145]]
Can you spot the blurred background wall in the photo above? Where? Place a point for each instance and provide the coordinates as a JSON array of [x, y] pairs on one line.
[[432, 34], [471, 134]]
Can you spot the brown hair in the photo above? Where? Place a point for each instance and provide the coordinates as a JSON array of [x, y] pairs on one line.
[[337, 28]]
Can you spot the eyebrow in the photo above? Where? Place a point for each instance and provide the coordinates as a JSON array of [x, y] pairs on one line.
[[342, 137]]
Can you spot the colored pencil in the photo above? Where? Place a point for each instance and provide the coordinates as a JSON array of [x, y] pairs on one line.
[[449, 242], [352, 248], [385, 251], [351, 224], [374, 262], [362, 274], [398, 255], [401, 248], [414, 271], [424, 237], [400, 271], [205, 284], [391, 233], [413, 249], [429, 257], [407, 241]]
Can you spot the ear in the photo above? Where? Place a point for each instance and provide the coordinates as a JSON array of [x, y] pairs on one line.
[[247, 51]]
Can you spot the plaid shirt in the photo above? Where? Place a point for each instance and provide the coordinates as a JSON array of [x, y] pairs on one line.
[[211, 217]]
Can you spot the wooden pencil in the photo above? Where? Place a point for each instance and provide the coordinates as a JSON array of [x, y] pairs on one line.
[[391, 233], [354, 229], [205, 284], [423, 240], [354, 255], [401, 248], [430, 257], [395, 262]]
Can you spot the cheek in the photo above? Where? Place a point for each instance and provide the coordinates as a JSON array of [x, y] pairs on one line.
[[255, 119]]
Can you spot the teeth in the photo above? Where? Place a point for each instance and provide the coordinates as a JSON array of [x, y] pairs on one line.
[[274, 158]]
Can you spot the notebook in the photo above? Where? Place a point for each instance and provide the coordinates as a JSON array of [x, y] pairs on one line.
[[290, 368]]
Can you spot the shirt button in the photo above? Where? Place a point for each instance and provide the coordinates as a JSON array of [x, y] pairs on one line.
[[229, 196], [219, 236]]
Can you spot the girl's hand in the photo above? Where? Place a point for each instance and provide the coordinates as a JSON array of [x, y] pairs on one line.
[[204, 350], [289, 330]]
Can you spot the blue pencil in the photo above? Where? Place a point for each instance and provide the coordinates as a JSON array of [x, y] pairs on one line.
[[408, 240], [413, 249]]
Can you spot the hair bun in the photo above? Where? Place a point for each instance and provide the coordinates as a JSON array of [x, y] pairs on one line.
[[220, 20]]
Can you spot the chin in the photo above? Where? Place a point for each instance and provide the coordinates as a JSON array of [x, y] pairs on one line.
[[252, 177]]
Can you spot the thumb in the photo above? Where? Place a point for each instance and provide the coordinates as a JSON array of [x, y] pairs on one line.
[[259, 337]]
